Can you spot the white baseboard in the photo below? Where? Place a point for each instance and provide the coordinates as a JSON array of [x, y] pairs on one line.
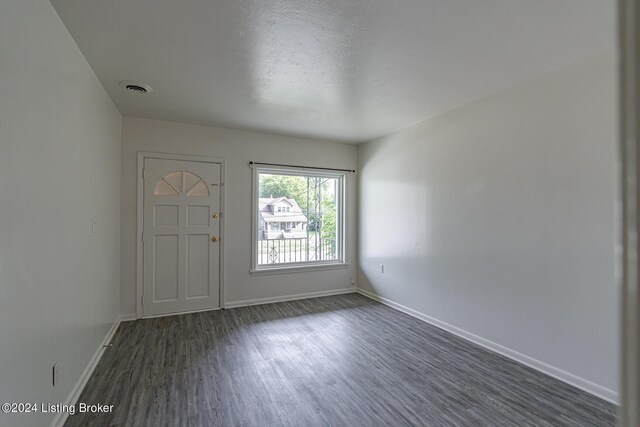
[[257, 301], [567, 377], [245, 303], [72, 399]]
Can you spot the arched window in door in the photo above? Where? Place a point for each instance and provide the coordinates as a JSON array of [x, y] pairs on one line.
[[181, 182]]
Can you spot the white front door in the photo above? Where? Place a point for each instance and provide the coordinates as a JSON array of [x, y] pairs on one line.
[[181, 226]]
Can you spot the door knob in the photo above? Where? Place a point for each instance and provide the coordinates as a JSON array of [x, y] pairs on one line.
[[214, 239]]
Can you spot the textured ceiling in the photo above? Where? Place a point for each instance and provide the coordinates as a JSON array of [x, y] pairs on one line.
[[342, 70]]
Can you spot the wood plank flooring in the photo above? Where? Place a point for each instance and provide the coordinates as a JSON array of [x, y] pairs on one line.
[[334, 361]]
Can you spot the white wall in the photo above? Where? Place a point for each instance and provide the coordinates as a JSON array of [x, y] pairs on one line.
[[238, 148], [59, 167], [498, 218]]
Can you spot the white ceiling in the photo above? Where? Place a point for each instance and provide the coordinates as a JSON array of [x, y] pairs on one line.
[[350, 70]]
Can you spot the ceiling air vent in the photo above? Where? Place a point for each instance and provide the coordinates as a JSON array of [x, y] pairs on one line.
[[135, 87]]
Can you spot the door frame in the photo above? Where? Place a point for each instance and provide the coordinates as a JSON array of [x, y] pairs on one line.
[[142, 155], [629, 143]]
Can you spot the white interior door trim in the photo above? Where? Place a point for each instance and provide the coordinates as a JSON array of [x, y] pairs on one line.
[[629, 50], [142, 155]]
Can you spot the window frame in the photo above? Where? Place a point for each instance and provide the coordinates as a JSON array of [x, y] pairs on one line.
[[339, 262]]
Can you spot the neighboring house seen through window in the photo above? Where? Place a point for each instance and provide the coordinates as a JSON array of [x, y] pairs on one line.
[[299, 218]]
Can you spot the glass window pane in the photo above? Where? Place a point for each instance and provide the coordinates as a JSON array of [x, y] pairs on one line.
[[175, 180], [298, 218], [189, 180], [164, 189], [199, 190], [179, 182]]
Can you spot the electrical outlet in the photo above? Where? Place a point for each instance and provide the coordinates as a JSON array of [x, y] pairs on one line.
[[353, 281], [381, 268], [54, 374]]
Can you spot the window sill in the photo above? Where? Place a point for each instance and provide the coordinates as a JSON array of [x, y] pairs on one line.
[[298, 269]]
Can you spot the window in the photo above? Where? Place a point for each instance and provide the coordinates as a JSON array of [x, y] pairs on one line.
[[299, 218], [179, 182]]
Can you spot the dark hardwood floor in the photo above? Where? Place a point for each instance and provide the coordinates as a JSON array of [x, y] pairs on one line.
[[335, 361]]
